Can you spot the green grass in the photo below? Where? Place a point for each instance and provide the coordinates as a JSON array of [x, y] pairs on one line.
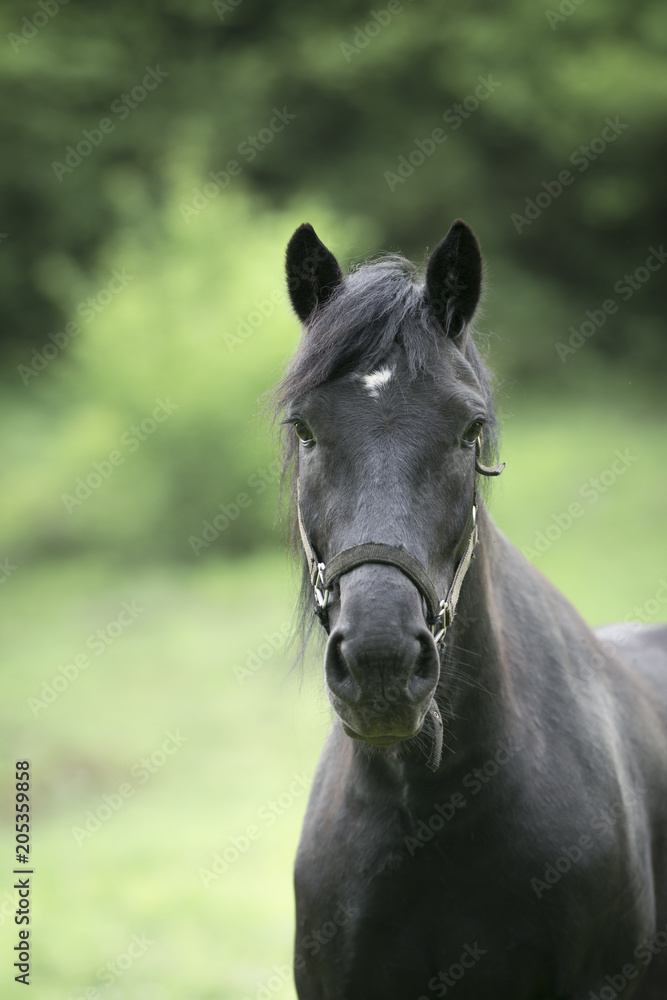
[[173, 670]]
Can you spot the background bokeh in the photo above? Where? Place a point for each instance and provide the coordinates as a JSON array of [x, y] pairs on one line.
[[156, 157]]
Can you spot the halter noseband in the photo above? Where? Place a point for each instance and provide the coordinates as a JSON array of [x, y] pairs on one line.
[[440, 612]]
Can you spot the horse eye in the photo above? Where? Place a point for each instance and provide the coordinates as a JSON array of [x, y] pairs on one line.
[[473, 431], [303, 432]]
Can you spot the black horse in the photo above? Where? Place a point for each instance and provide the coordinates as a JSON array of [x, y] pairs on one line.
[[520, 853]]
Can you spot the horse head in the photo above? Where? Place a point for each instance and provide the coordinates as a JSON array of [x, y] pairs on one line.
[[389, 413]]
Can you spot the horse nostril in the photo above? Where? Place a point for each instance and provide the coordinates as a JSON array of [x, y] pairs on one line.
[[336, 667], [424, 662], [338, 674], [426, 668]]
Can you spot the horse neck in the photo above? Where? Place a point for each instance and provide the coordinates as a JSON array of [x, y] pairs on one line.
[[476, 692], [486, 680]]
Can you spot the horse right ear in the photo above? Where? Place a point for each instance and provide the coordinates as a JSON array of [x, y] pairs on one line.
[[312, 271], [454, 279]]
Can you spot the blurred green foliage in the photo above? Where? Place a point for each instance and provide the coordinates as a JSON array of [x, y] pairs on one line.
[[197, 337], [157, 158], [362, 89]]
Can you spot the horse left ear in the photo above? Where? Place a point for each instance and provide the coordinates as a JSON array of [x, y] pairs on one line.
[[312, 271], [454, 279]]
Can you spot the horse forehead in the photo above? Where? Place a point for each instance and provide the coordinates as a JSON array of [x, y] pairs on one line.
[[445, 381]]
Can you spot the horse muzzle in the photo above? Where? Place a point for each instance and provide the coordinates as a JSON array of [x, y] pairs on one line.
[[381, 685]]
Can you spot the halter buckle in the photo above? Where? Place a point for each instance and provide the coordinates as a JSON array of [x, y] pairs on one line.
[[321, 592], [442, 623]]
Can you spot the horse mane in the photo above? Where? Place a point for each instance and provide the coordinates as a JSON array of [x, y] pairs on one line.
[[380, 304]]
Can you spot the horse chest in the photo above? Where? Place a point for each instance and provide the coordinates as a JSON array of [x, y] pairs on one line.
[[398, 936], [379, 917], [391, 924]]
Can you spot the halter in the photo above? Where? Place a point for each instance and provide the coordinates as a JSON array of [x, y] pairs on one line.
[[440, 612]]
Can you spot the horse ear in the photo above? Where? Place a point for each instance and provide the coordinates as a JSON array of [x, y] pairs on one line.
[[312, 271], [454, 279]]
